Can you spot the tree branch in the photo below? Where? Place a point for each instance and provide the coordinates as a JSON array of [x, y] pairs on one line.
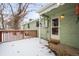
[[11, 9]]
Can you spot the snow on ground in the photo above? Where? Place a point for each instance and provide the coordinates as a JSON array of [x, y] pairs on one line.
[[25, 47]]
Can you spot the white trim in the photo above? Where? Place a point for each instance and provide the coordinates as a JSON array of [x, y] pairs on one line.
[[39, 28], [58, 29], [2, 37], [48, 8]]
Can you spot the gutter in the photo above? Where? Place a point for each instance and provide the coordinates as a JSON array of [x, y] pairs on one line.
[[48, 8]]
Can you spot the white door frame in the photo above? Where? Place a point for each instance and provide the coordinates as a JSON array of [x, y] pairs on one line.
[[58, 28]]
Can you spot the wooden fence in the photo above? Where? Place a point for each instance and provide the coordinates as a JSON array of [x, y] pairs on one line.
[[10, 35]]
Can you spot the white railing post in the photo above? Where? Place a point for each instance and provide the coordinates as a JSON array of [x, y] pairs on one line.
[[39, 28]]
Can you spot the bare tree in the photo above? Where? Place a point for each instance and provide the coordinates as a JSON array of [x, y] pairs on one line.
[[19, 14], [1, 14], [16, 15]]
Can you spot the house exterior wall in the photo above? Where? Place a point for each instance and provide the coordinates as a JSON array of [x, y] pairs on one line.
[[32, 26], [43, 30], [25, 26], [69, 29]]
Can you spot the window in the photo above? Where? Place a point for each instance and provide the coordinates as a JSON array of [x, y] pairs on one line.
[[55, 31], [55, 26], [55, 22], [28, 26], [37, 24]]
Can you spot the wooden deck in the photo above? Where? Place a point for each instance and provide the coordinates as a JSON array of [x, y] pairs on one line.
[[63, 50]]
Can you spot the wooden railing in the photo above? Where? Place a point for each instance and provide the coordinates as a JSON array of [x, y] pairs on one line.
[[10, 35]]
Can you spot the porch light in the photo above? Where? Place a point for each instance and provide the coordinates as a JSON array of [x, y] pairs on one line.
[[62, 17]]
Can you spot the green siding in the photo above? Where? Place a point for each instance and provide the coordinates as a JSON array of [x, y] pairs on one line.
[[69, 29], [25, 26], [43, 30], [32, 26]]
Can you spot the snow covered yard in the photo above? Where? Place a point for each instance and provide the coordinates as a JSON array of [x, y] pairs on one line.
[[25, 47]]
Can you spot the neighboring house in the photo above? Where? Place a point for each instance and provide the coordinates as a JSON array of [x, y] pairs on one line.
[[59, 22], [32, 25]]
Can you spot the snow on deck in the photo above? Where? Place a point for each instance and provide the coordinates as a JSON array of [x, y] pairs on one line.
[[25, 47]]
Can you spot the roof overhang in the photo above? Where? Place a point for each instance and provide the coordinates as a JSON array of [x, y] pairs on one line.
[[48, 8]]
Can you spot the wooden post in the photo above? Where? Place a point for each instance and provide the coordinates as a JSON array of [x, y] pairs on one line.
[[0, 36]]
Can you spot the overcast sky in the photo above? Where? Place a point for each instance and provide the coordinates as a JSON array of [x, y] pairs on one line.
[[33, 9]]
